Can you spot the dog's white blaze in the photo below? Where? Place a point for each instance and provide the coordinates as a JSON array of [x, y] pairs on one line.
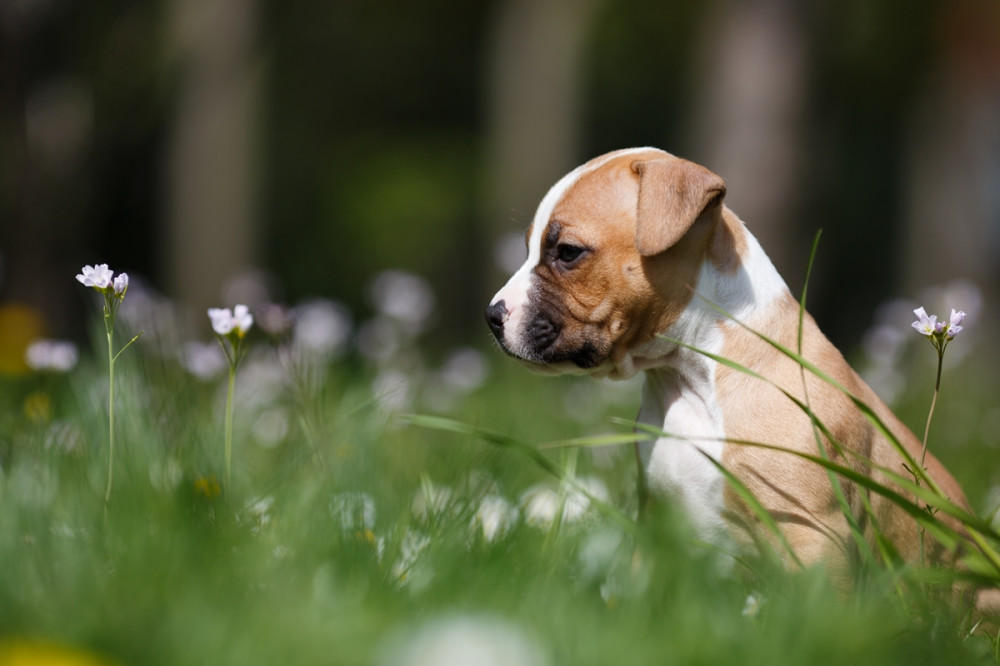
[[681, 401], [768, 284], [514, 294], [753, 291]]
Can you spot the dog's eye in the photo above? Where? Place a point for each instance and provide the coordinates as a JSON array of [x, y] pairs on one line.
[[568, 254]]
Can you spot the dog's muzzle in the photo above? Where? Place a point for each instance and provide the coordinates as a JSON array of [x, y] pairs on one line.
[[530, 344], [496, 315]]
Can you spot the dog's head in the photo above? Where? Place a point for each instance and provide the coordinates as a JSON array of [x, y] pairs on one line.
[[613, 252]]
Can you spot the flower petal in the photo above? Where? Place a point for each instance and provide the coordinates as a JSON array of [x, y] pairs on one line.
[[242, 319], [222, 320]]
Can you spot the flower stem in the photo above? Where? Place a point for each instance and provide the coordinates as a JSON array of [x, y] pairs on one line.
[[930, 413], [111, 409], [229, 421], [927, 429]]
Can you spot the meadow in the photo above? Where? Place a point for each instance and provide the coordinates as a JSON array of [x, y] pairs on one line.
[[351, 532]]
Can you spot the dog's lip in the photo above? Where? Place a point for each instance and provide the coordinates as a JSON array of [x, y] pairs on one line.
[[542, 368], [555, 369]]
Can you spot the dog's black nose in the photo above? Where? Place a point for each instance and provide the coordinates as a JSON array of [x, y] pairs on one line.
[[495, 316]]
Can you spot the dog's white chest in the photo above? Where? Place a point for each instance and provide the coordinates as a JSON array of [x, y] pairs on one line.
[[677, 465]]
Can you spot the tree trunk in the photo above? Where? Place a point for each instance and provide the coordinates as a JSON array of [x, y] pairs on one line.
[[748, 113], [534, 105], [211, 228]]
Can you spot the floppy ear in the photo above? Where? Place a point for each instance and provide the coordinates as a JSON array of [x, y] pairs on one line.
[[673, 193]]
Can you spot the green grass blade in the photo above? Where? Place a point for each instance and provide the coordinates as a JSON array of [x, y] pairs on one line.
[[838, 491], [758, 509], [805, 286], [615, 439], [527, 450]]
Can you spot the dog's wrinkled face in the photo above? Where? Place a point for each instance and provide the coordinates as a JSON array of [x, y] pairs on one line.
[[602, 275]]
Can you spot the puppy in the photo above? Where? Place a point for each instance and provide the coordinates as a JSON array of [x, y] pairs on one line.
[[627, 256]]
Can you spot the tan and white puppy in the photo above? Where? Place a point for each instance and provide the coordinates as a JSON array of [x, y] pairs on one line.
[[616, 253]]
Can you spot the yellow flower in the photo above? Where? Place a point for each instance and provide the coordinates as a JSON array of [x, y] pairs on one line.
[[38, 407], [207, 487], [25, 653]]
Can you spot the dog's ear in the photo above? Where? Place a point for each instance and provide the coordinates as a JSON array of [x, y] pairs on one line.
[[673, 193]]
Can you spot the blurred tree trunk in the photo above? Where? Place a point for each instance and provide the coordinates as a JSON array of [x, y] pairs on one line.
[[534, 91], [953, 205], [747, 116], [211, 231]]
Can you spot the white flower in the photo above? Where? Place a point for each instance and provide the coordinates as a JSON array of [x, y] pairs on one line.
[[752, 606], [222, 320], [925, 325], [495, 516], [242, 319], [353, 511], [936, 330], [275, 319], [121, 284], [225, 321], [464, 370], [98, 277], [411, 547], [955, 324], [461, 640], [204, 360], [597, 553], [578, 500], [271, 427], [405, 298], [56, 355], [541, 506], [321, 327], [433, 502], [257, 513]]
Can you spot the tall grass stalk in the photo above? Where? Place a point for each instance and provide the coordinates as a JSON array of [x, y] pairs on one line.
[[110, 311], [230, 388], [852, 520]]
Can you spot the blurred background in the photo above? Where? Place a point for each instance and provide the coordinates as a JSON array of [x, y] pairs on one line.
[[224, 151]]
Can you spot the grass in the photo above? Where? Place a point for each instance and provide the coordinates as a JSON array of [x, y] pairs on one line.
[[357, 530]]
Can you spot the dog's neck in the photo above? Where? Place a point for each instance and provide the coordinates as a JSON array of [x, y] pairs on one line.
[[679, 392], [737, 283]]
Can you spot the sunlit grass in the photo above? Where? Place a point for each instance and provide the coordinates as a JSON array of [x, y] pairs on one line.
[[355, 536]]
